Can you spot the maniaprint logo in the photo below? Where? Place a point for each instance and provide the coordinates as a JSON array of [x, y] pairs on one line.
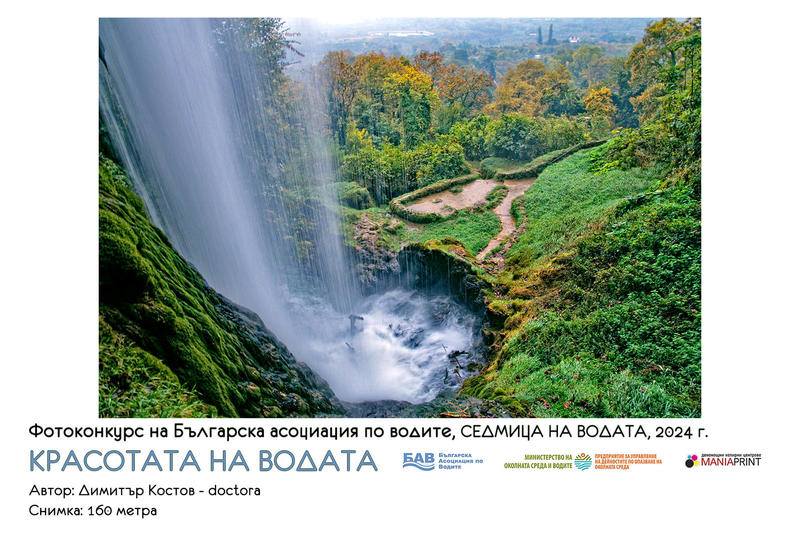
[[735, 460], [421, 461], [583, 461]]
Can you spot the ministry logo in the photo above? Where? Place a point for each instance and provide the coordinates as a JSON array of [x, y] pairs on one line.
[[583, 461], [421, 461]]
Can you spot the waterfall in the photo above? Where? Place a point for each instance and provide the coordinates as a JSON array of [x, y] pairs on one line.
[[187, 110], [233, 164]]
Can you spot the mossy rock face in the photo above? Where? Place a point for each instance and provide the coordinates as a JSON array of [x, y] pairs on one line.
[[158, 310], [134, 383], [497, 313], [431, 267]]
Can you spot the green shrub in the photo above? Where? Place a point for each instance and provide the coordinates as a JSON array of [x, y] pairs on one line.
[[472, 137], [515, 136], [353, 195], [491, 166], [561, 132], [496, 196], [437, 161], [390, 171]]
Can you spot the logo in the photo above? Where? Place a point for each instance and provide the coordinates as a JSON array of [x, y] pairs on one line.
[[724, 460], [421, 461], [583, 461]]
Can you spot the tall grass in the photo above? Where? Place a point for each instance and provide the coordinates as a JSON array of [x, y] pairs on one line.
[[565, 200]]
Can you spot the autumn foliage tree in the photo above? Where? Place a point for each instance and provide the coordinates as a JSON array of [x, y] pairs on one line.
[[463, 91], [401, 122], [532, 89], [411, 101], [599, 103], [601, 110]]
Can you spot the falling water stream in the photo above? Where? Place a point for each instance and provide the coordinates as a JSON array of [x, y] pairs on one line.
[[249, 202]]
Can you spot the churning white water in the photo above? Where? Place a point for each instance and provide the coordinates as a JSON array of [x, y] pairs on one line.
[[240, 179], [408, 346]]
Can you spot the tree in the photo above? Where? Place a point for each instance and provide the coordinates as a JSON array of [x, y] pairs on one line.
[[341, 80], [626, 115], [601, 110], [662, 48], [370, 108], [581, 61], [411, 97], [472, 137], [558, 96], [599, 103], [679, 113], [430, 64], [519, 93], [468, 88], [668, 62], [267, 37], [534, 90], [514, 136]]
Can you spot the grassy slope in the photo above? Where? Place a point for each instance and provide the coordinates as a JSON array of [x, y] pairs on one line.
[[604, 300], [473, 229], [566, 199], [168, 340]]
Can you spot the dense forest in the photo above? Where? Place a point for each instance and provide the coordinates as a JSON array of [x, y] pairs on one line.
[[564, 177]]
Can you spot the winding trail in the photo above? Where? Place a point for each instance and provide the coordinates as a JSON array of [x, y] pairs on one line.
[[503, 211], [446, 202]]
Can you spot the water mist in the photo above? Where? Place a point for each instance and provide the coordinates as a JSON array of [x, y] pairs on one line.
[[240, 180]]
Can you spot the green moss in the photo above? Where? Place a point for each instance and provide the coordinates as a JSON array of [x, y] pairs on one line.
[[134, 383], [158, 304], [540, 163], [496, 196], [518, 210]]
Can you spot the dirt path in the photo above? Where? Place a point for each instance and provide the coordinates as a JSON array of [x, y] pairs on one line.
[[503, 211], [446, 202]]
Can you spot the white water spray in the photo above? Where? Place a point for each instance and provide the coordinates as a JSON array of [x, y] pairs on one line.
[[239, 179]]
